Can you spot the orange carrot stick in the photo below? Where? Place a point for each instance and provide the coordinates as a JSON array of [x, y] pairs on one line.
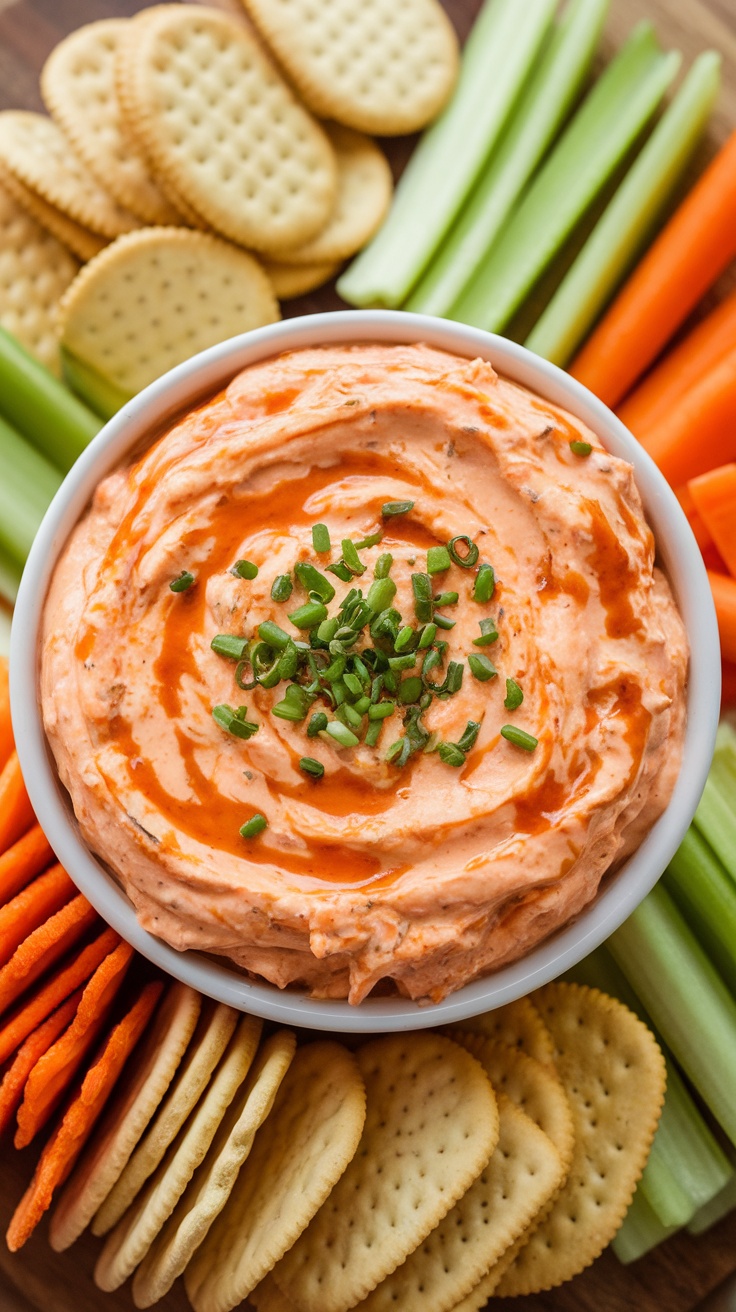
[[714, 496], [47, 944], [700, 532], [701, 432], [23, 861], [65, 1145], [53, 1073], [693, 249], [728, 685], [6, 728], [18, 1026], [41, 899], [724, 596], [16, 814], [28, 1054], [682, 368]]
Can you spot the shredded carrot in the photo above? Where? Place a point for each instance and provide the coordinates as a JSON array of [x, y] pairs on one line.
[[6, 728], [701, 432], [693, 249], [29, 909], [728, 685], [724, 596], [700, 532], [16, 814], [23, 861], [46, 945], [66, 1143], [714, 497], [30, 1014], [53, 1073], [28, 1054]]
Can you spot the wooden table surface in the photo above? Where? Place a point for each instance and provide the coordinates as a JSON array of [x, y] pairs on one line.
[[677, 1275]]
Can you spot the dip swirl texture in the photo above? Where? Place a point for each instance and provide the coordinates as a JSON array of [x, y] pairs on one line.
[[418, 878]]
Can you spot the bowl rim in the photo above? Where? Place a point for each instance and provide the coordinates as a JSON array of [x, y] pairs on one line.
[[190, 383]]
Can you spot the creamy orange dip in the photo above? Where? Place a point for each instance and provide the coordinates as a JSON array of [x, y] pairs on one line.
[[417, 878]]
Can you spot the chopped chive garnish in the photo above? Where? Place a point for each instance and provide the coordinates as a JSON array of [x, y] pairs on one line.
[[351, 557], [427, 636], [361, 670], [307, 616], [241, 682], [485, 584], [363, 704], [311, 579], [390, 508], [343, 736], [443, 622], [469, 556], [453, 678], [234, 722], [451, 754], [317, 723], [380, 594], [341, 570], [327, 629], [383, 565], [581, 448], [281, 588], [423, 605], [273, 635], [482, 668], [245, 569], [373, 733], [321, 538], [288, 662], [255, 826], [310, 766], [469, 736], [394, 749], [399, 663], [371, 540], [348, 715], [227, 644], [294, 706], [446, 598], [489, 633], [182, 581], [519, 737], [381, 710], [353, 684], [376, 688], [438, 560], [514, 696], [410, 690], [404, 639]]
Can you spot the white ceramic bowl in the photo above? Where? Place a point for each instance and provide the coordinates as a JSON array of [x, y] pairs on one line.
[[191, 383]]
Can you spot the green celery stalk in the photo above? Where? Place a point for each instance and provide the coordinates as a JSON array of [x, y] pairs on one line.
[[27, 485], [596, 141], [686, 998], [4, 627], [640, 1231], [101, 395], [497, 58], [42, 408], [706, 896], [553, 88], [714, 1210], [9, 578], [628, 223], [716, 814]]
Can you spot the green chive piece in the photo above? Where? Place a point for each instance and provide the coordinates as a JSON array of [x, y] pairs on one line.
[[353, 684], [255, 826], [390, 508], [311, 579], [394, 749], [288, 662], [489, 633], [443, 622], [373, 733], [317, 723], [381, 710], [307, 616], [310, 766], [245, 569], [226, 644], [349, 715], [482, 668], [451, 754], [361, 670], [485, 584], [519, 737], [335, 670], [453, 679], [321, 539], [343, 736], [294, 706], [468, 738], [469, 556], [273, 635], [339, 692], [447, 598], [427, 636], [327, 629], [422, 589], [362, 705], [240, 668], [581, 448], [404, 638], [438, 560], [382, 567], [282, 587], [399, 663], [514, 696], [341, 570], [182, 581], [376, 688], [410, 690], [390, 682], [351, 557], [380, 594], [372, 540], [234, 722]]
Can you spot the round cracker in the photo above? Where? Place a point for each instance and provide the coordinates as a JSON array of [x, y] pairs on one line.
[[209, 1189], [210, 1039], [80, 241], [374, 65], [430, 1129], [518, 1024], [133, 1235], [128, 1115], [154, 298], [35, 271], [221, 126], [289, 280], [303, 1149], [35, 149], [78, 88], [614, 1075]]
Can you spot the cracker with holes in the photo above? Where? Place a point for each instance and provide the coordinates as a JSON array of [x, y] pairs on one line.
[[154, 298], [35, 271], [517, 1024], [78, 88], [220, 125], [80, 241], [384, 66], [614, 1075], [299, 1155], [431, 1125]]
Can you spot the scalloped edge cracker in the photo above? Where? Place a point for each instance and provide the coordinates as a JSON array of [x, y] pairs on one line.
[[35, 271]]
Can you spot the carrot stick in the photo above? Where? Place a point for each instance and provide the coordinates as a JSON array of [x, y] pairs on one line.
[[693, 249], [23, 861], [714, 496], [6, 728], [65, 1145], [701, 432], [14, 1080], [682, 368], [728, 685], [55, 1070], [700, 532], [18, 1026], [41, 899], [724, 596], [47, 944], [16, 814]]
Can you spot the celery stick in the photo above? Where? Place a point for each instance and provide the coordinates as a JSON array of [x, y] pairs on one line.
[[716, 814], [630, 219], [603, 130], [640, 1231], [26, 488], [714, 1210], [706, 896], [496, 61], [103, 396], [9, 578], [4, 626], [42, 408], [686, 998], [546, 102]]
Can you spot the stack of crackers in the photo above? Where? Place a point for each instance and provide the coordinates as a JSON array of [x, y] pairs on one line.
[[203, 167]]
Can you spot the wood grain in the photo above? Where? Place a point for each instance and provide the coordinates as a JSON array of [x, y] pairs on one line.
[[681, 1272]]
